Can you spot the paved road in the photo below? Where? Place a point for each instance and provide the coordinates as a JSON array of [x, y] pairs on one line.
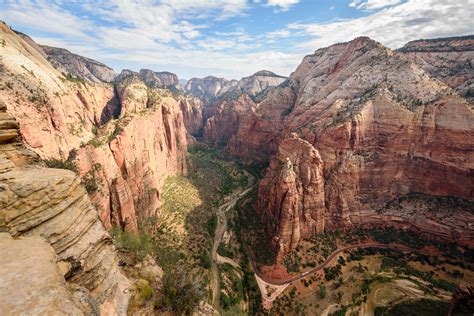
[[324, 264]]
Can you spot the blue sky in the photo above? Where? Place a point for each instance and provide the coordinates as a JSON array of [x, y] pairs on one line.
[[227, 38]]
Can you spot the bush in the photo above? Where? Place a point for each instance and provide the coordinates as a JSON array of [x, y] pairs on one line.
[[145, 291], [179, 294], [322, 291], [115, 133], [61, 164], [211, 226], [205, 260], [138, 244]]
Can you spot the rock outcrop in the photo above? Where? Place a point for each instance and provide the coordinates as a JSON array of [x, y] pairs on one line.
[[52, 203], [126, 138], [383, 128], [35, 282], [153, 79], [292, 194], [259, 82], [450, 60], [209, 88], [77, 66]]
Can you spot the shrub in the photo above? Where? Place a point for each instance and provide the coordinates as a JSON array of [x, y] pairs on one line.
[[211, 226], [139, 244], [61, 164], [322, 291], [205, 260], [179, 294], [145, 291], [115, 133]]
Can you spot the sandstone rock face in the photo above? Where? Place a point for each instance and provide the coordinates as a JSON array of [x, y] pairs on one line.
[[130, 169], [292, 193], [126, 139], [152, 79], [52, 203], [216, 92], [259, 82], [209, 88], [159, 79], [225, 122], [32, 285], [80, 67], [448, 59], [383, 128], [55, 115]]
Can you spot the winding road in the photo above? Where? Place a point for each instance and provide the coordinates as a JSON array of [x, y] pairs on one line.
[[328, 260]]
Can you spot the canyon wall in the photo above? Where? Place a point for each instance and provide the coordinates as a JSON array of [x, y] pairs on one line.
[[126, 137], [384, 128], [52, 204]]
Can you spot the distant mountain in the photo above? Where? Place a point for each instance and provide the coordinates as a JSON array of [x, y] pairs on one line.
[[78, 66], [450, 60], [212, 88], [154, 79]]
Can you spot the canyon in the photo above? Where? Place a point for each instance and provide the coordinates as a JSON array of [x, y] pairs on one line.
[[358, 136]]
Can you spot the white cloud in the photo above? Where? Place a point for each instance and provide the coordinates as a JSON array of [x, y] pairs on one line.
[[396, 25], [373, 4], [283, 5], [175, 36]]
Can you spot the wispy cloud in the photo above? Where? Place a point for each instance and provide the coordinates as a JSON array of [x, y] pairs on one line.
[[373, 4], [283, 5], [201, 37], [396, 25]]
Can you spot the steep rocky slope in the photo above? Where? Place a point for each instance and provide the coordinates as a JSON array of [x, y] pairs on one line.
[[210, 87], [154, 79], [52, 203], [216, 92], [26, 279], [383, 127], [126, 138], [77, 66], [451, 60], [259, 82]]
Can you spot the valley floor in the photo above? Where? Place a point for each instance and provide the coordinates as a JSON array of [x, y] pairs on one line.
[[208, 228]]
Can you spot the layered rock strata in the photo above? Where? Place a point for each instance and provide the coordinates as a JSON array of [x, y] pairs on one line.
[[52, 203], [383, 127]]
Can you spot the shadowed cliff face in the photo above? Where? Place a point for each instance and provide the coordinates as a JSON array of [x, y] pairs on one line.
[[383, 128]]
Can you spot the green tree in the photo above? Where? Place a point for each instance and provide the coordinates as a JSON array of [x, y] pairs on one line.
[[179, 294], [322, 291]]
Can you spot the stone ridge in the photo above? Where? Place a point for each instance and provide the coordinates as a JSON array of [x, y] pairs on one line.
[[383, 127], [445, 44], [78, 66]]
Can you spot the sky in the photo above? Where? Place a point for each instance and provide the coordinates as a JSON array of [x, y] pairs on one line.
[[227, 38]]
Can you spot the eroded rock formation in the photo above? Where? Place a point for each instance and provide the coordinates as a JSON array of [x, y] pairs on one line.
[[383, 127], [292, 193], [451, 60], [125, 138], [77, 66], [52, 203]]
